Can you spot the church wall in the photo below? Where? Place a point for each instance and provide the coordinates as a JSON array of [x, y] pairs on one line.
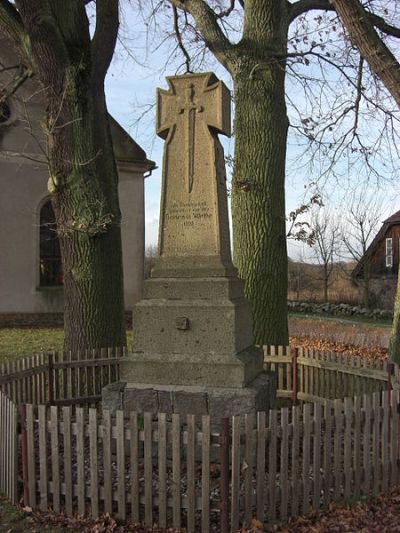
[[23, 188]]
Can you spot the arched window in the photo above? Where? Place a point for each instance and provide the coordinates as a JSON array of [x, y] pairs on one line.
[[50, 258]]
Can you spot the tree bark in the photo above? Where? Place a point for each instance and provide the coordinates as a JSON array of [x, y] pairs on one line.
[[258, 185], [83, 178], [258, 199]]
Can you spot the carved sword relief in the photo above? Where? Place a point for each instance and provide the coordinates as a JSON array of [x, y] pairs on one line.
[[191, 108]]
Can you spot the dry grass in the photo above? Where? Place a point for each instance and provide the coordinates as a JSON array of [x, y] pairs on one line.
[[341, 331]]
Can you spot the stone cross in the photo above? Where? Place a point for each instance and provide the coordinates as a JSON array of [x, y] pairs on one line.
[[193, 214]]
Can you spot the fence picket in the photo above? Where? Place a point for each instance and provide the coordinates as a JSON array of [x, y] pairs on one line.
[[357, 446], [260, 470], [337, 460], [94, 478], [375, 441], [295, 452], [384, 439], [134, 452], [317, 456], [43, 457], [148, 469], [248, 468], [347, 467], [176, 471], [67, 459], [107, 481], [120, 438], [205, 474], [191, 501], [284, 459], [55, 458], [306, 458], [80, 460], [162, 470], [30, 432], [272, 430], [394, 436], [235, 483], [367, 444]]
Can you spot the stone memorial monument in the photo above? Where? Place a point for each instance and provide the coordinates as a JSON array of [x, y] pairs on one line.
[[193, 346]]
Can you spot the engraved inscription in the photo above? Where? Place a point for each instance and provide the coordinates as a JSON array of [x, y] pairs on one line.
[[189, 213]]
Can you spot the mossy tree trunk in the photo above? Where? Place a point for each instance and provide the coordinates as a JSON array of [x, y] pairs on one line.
[[258, 185], [70, 66]]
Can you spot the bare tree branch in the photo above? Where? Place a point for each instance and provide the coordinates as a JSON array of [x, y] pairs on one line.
[[179, 39], [206, 23], [105, 36], [364, 36], [302, 6]]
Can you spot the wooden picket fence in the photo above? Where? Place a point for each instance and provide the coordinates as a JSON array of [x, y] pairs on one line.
[[311, 375], [62, 378], [183, 472], [303, 374], [8, 448]]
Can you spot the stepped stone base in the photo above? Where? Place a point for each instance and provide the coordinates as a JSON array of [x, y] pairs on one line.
[[218, 402]]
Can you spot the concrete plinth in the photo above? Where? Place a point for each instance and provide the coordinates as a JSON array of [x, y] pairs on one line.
[[218, 402]]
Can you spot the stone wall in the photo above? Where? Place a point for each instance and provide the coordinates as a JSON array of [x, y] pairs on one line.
[[337, 309]]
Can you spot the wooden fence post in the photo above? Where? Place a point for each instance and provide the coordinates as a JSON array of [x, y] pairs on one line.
[[294, 373], [224, 444]]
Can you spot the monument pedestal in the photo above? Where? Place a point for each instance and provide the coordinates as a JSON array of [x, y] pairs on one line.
[[193, 352]]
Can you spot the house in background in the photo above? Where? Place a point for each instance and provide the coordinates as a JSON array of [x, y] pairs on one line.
[[30, 266], [380, 264]]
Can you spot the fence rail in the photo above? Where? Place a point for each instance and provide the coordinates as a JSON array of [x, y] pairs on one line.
[[312, 375], [60, 378], [170, 469]]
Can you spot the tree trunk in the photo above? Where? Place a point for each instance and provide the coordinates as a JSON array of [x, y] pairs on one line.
[[258, 199], [258, 186], [326, 283], [88, 222], [71, 67]]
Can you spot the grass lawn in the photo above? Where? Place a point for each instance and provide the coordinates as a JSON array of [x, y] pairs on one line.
[[20, 342]]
